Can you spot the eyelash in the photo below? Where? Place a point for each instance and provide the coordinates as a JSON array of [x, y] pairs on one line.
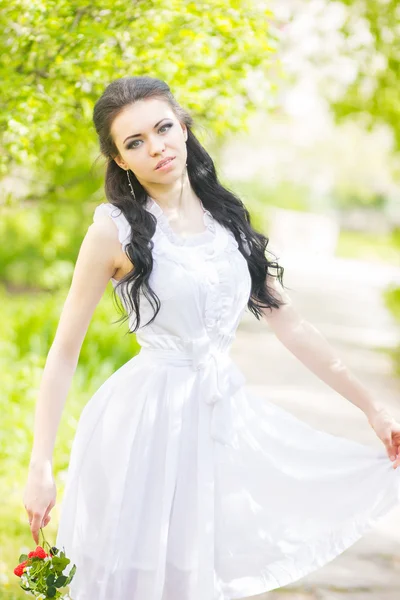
[[131, 146]]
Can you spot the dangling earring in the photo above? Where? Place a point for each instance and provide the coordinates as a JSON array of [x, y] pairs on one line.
[[130, 184]]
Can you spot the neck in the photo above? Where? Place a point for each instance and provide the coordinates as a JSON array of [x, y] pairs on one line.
[[176, 196]]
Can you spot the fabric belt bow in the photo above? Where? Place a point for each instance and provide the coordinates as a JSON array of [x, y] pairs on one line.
[[220, 379]]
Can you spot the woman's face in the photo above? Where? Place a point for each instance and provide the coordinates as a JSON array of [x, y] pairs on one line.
[[145, 133]]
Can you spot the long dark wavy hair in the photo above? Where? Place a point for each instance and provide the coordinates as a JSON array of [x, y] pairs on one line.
[[224, 205]]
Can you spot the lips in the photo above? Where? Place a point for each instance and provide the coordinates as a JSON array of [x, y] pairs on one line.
[[164, 161]]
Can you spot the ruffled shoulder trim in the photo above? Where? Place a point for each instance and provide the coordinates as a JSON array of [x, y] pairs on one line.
[[124, 229]]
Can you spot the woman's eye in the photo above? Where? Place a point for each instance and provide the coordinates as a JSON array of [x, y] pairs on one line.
[[167, 125]]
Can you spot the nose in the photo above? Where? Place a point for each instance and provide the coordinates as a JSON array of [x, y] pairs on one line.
[[156, 146]]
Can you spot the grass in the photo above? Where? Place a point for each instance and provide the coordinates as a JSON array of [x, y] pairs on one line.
[[368, 246]]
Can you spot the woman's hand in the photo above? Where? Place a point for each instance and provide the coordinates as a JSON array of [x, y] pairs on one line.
[[388, 431], [39, 497]]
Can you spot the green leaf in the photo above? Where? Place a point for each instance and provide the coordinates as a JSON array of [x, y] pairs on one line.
[[59, 563], [71, 574], [22, 558], [51, 591], [36, 568], [61, 581], [51, 579]]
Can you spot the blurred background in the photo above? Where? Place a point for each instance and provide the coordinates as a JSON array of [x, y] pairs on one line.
[[298, 104]]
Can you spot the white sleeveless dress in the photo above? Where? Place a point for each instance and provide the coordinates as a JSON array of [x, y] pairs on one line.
[[184, 486]]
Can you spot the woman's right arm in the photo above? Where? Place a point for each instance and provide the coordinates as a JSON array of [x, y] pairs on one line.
[[97, 261]]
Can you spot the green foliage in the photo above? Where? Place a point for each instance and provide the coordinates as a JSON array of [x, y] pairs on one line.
[[349, 195], [26, 336], [40, 245], [260, 198], [57, 57], [373, 247], [392, 297], [392, 300], [375, 92]]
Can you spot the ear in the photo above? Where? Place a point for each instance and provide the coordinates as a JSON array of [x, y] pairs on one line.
[[185, 132], [121, 163]]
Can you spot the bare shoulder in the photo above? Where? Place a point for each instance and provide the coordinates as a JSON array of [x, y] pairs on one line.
[[103, 228], [104, 232], [95, 265]]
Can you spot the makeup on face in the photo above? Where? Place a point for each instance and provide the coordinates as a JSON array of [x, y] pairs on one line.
[[168, 165], [130, 145]]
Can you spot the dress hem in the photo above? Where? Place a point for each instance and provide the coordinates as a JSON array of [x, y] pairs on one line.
[[267, 585]]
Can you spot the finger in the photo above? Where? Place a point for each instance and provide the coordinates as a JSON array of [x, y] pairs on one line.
[[396, 463], [46, 521], [396, 442], [396, 450], [391, 451], [35, 526], [396, 437], [45, 516], [391, 448]]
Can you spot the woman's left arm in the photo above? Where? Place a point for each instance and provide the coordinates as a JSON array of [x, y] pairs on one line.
[[307, 343]]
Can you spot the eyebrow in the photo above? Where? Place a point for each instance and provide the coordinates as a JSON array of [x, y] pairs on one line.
[[140, 134]]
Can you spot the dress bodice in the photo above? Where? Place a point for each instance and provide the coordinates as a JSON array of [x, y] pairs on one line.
[[202, 280]]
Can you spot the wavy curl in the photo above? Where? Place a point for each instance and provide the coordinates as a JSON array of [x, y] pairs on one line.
[[223, 204]]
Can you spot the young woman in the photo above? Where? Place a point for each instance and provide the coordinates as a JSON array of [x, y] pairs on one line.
[[181, 484]]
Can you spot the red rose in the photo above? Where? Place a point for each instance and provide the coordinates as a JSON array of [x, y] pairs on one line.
[[19, 569], [39, 552]]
